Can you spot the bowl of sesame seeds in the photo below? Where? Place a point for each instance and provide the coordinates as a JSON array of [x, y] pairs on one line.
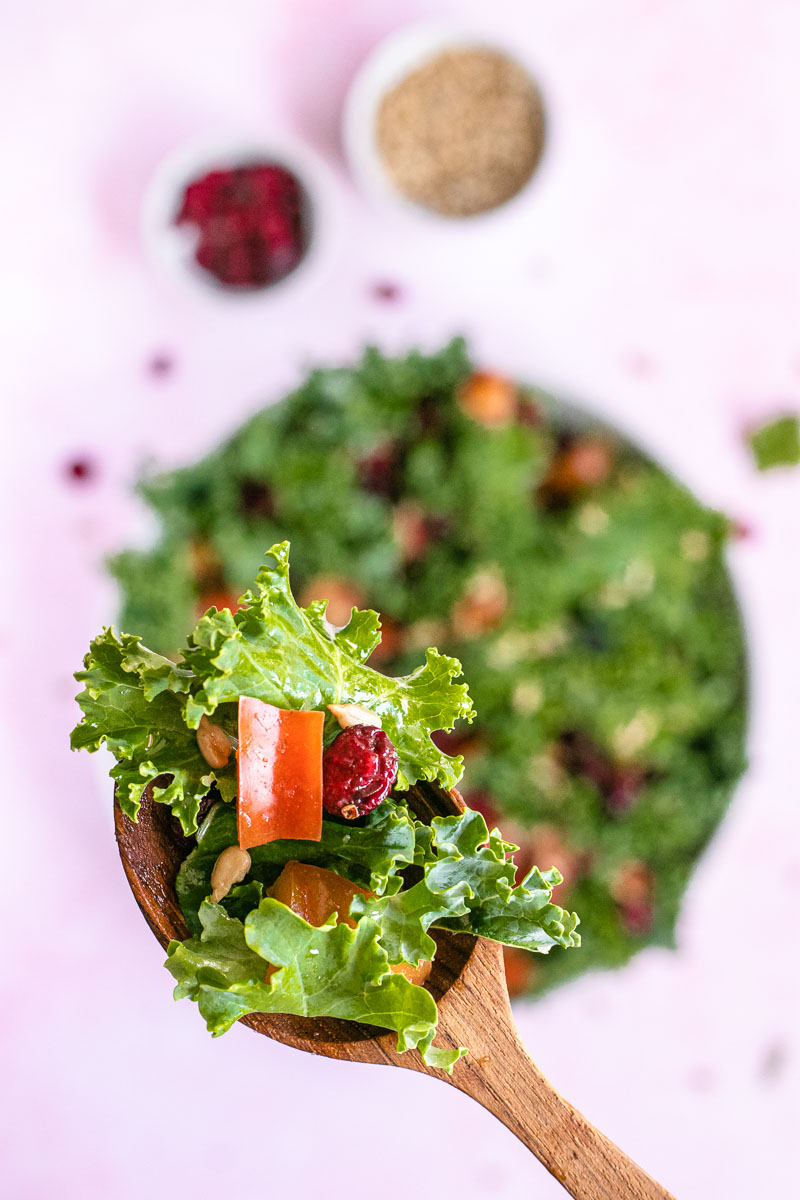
[[441, 123]]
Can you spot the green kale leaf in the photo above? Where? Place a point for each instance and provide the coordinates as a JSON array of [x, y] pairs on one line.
[[369, 854], [468, 887], [145, 707], [777, 444], [275, 651], [144, 727], [333, 971]]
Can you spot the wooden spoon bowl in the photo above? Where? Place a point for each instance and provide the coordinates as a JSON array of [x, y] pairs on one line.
[[468, 982]]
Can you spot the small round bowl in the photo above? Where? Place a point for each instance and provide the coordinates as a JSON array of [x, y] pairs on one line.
[[171, 247], [391, 61]]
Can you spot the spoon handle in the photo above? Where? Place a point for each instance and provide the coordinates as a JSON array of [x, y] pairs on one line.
[[509, 1084]]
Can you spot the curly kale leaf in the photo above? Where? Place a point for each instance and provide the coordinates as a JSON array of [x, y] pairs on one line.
[[468, 887], [276, 651], [333, 971], [127, 706], [370, 854], [145, 708]]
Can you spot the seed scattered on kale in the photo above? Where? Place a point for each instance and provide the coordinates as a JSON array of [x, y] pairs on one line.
[[438, 526]]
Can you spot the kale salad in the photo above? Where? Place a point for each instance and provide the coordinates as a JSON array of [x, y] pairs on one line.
[[583, 588], [311, 888]]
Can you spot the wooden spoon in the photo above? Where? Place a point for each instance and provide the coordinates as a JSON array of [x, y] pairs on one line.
[[468, 982]]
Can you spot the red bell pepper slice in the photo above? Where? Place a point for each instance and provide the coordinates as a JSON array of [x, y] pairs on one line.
[[280, 774]]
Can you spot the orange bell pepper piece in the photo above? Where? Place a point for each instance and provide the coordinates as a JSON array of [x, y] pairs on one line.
[[314, 893], [279, 765]]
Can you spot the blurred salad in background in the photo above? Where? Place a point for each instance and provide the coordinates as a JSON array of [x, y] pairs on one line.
[[583, 588]]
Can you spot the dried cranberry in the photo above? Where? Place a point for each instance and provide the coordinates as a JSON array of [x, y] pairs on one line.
[[81, 470], [431, 415], [381, 472], [358, 770], [619, 784], [637, 918], [256, 498], [251, 221], [625, 784]]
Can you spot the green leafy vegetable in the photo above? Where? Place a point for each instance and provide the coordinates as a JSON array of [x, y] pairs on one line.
[[468, 886], [275, 651], [332, 971], [368, 854], [144, 728], [620, 625], [777, 444], [146, 708]]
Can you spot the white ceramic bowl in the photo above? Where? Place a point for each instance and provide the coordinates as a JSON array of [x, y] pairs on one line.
[[171, 247], [391, 61]]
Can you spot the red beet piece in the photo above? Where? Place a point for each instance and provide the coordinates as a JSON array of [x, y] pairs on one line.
[[250, 221], [358, 770]]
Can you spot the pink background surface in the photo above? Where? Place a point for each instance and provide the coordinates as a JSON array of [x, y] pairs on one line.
[[655, 272]]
